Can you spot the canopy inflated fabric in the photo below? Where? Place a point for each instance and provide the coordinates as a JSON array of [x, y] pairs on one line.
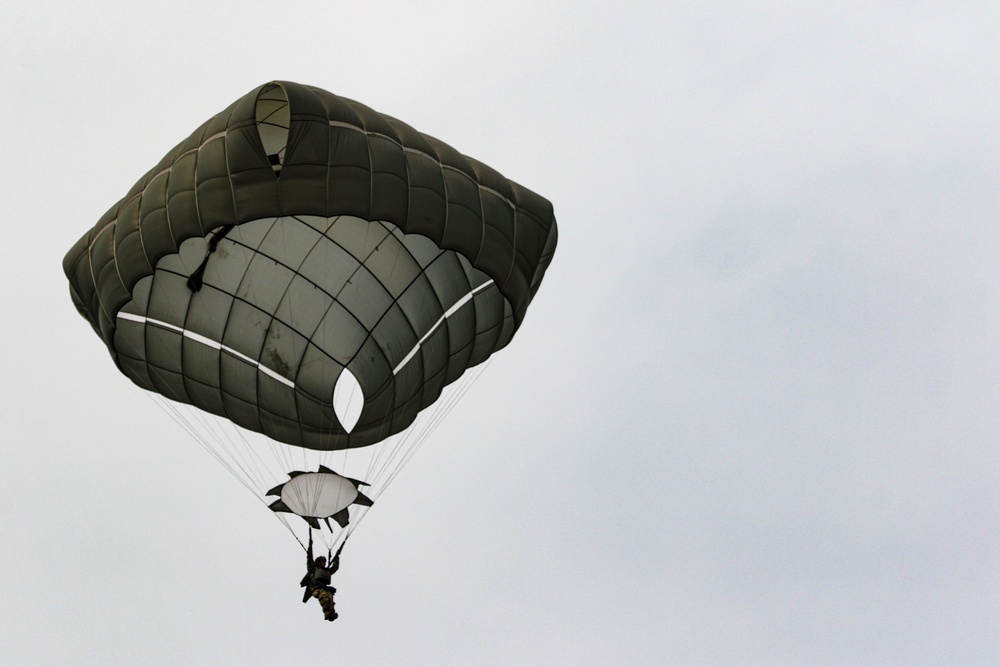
[[311, 269]]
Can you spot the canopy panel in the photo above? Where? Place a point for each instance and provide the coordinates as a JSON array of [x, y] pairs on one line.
[[292, 311]]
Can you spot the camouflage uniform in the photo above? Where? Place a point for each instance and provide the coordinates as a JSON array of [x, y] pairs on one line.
[[317, 582], [325, 597]]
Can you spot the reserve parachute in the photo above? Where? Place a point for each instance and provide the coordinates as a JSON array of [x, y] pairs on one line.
[[318, 273]]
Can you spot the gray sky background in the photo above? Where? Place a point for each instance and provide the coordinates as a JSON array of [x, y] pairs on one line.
[[752, 418]]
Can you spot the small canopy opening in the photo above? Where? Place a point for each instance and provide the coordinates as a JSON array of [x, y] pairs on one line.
[[273, 121]]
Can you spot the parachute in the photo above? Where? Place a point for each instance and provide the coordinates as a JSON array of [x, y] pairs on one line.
[[316, 272]]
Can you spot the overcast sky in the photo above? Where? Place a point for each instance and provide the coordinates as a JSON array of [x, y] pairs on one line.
[[752, 417]]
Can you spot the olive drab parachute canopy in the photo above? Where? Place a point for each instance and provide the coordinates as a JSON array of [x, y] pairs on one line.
[[311, 270]]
